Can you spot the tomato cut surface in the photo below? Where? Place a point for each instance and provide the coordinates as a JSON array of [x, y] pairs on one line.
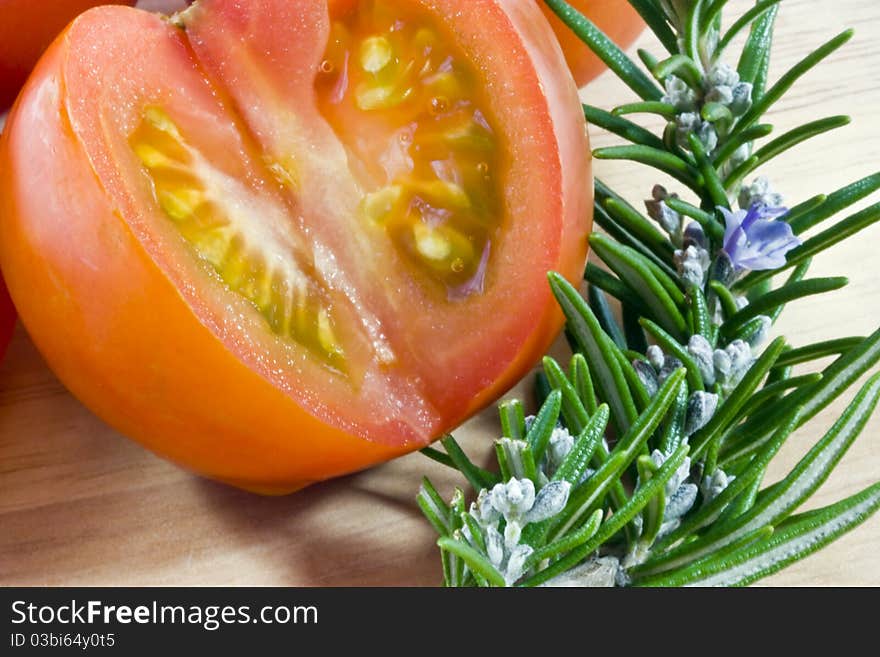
[[298, 237]]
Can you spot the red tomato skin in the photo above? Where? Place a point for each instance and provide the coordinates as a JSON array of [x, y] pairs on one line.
[[616, 18], [119, 334], [27, 27]]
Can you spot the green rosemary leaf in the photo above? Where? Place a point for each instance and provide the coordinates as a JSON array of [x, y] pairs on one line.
[[568, 542], [433, 507], [476, 533], [636, 387], [603, 312], [474, 560], [725, 298], [742, 440], [729, 410], [574, 414], [612, 285], [616, 522], [652, 515], [784, 142], [583, 498], [542, 428], [597, 348], [755, 58], [659, 159], [621, 127], [504, 468], [684, 576], [673, 432], [712, 12], [774, 390], [578, 459], [692, 33], [795, 489], [606, 50], [797, 538], [582, 380], [477, 477], [634, 221], [673, 347], [784, 83], [733, 180], [789, 292], [681, 66], [635, 336], [647, 58], [445, 459], [643, 281], [835, 203], [613, 228], [716, 113], [513, 419], [665, 110], [729, 147], [707, 220], [657, 22], [743, 22], [713, 186], [710, 511], [824, 240], [703, 324], [804, 207], [819, 350]]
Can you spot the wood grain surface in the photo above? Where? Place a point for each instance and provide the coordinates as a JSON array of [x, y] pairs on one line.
[[82, 505]]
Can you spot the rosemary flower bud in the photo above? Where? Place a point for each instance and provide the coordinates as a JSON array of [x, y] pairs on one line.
[[723, 75], [695, 236], [701, 351], [561, 442], [551, 499], [679, 94], [656, 357], [647, 375], [670, 220], [759, 192], [713, 485], [700, 409], [693, 264], [514, 498], [670, 365], [721, 94], [742, 99]]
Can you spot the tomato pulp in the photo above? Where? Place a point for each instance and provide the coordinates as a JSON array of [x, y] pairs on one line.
[[616, 18], [280, 241]]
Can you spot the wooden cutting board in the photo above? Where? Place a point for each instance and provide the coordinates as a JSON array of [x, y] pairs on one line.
[[81, 505]]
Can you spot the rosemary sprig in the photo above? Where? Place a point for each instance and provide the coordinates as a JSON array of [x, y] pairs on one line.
[[697, 408]]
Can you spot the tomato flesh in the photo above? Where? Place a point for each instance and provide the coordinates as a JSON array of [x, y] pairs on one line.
[[321, 242], [409, 110]]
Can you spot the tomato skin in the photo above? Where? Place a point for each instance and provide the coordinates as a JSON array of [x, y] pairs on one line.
[[616, 18], [26, 30], [119, 333]]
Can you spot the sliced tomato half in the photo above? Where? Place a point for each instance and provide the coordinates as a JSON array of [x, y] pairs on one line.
[[279, 241]]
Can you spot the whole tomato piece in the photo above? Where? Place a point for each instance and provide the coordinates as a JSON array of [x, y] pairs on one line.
[[278, 241], [616, 18]]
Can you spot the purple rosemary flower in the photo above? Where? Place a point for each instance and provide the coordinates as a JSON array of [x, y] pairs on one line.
[[755, 240]]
